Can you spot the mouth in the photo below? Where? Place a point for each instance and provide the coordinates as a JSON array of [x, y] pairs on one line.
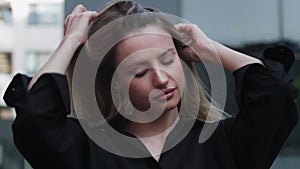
[[167, 93]]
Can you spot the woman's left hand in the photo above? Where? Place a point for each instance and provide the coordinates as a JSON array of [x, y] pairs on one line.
[[204, 49], [200, 48]]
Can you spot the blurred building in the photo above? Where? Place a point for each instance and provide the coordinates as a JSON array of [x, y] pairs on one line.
[[29, 32]]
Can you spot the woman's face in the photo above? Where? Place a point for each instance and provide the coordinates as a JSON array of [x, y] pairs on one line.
[[149, 61]]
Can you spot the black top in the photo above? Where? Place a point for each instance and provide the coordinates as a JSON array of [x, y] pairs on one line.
[[47, 138]]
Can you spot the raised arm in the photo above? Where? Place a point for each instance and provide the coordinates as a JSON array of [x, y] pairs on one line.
[[76, 32], [264, 93], [206, 49], [42, 132]]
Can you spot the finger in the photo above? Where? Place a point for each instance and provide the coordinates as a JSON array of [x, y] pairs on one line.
[[94, 16], [185, 33], [79, 9], [66, 24], [91, 15], [181, 27], [67, 20], [186, 28]]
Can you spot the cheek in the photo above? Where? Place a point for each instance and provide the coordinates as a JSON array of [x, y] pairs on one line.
[[178, 75], [130, 86], [139, 91], [181, 78]]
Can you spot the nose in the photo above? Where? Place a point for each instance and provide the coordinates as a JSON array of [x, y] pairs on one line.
[[160, 78]]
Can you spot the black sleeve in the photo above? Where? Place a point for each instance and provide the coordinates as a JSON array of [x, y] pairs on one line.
[[42, 132], [265, 96]]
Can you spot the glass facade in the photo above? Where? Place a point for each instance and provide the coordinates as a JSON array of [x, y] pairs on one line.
[[5, 62], [44, 14], [19, 54], [5, 13], [35, 60]]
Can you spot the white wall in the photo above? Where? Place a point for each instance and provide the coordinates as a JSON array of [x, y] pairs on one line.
[[19, 37]]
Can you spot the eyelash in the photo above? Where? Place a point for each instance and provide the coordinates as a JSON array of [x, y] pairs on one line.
[[168, 61], [141, 74]]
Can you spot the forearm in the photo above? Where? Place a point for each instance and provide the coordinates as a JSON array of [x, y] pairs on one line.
[[233, 60], [76, 32], [60, 59], [267, 113]]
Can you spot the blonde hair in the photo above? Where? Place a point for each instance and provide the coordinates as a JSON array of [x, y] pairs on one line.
[[207, 111]]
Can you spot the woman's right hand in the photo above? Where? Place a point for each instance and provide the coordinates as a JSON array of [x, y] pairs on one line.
[[76, 30], [77, 23]]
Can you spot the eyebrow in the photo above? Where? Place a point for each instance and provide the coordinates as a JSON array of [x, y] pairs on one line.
[[145, 62], [137, 64], [166, 52]]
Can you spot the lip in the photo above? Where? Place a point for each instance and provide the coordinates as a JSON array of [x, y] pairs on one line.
[[167, 93]]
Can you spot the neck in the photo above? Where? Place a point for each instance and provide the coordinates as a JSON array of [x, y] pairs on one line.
[[160, 126]]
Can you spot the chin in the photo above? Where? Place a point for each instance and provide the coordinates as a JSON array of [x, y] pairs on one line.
[[172, 104]]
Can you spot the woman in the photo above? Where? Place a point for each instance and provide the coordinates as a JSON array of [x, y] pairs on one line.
[[49, 139]]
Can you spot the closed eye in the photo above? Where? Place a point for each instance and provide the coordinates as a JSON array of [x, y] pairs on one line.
[[167, 59], [141, 73]]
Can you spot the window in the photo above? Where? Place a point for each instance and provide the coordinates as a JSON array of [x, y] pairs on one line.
[[5, 13], [45, 14], [35, 60], [5, 62]]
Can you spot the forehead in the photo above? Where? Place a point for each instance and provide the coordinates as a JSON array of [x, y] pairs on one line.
[[148, 38]]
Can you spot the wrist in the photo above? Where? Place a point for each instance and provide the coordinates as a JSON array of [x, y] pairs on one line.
[[73, 40], [211, 51]]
